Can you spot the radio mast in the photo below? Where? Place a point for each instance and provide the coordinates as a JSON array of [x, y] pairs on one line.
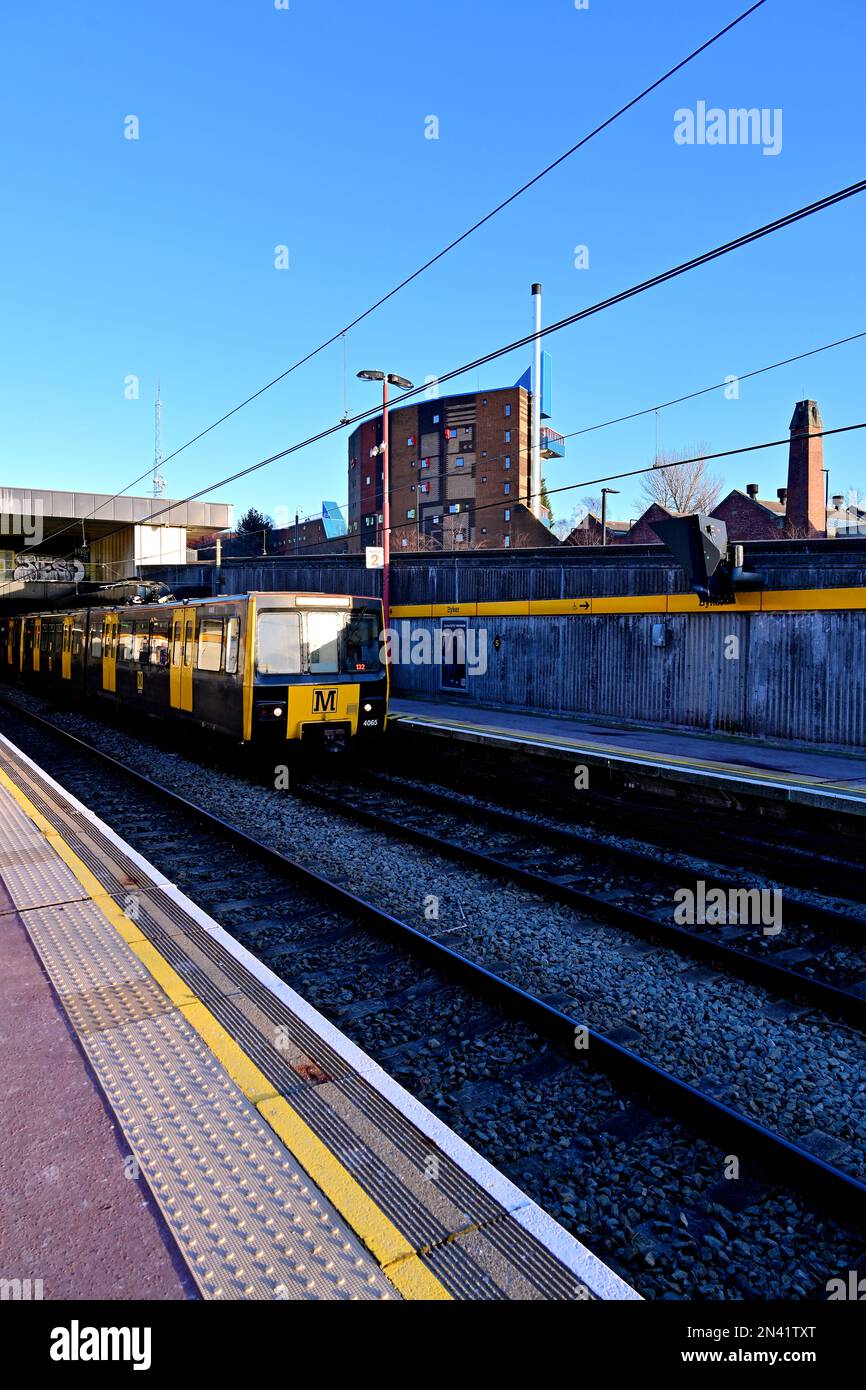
[[158, 479]]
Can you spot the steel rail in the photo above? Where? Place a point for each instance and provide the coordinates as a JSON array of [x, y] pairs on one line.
[[779, 978], [780, 1158]]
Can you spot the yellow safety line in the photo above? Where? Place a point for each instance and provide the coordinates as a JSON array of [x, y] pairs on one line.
[[635, 754], [393, 1251]]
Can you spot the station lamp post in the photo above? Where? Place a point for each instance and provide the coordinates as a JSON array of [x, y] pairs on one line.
[[385, 378], [605, 491]]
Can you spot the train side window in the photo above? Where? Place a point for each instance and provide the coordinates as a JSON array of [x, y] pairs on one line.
[[77, 641], [175, 645], [159, 644], [141, 641], [210, 644], [189, 624], [233, 635], [126, 640]]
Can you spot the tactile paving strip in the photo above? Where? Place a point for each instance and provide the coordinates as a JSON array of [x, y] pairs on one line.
[[476, 1245], [245, 1215]]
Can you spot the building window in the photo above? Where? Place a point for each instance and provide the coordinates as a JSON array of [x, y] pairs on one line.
[[367, 480], [507, 460], [508, 410], [425, 463], [508, 436], [507, 541], [435, 419], [410, 515], [423, 487], [455, 507], [507, 488], [458, 463], [507, 513], [411, 440]]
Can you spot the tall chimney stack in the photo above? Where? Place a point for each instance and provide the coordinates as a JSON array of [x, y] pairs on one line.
[[806, 513]]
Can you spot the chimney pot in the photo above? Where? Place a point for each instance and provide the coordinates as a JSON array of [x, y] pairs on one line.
[[838, 501], [753, 489], [782, 494]]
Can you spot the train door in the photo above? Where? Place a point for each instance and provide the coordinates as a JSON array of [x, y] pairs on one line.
[[66, 650], [109, 652], [182, 645], [37, 642]]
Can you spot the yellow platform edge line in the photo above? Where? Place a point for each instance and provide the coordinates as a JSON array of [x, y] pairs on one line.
[[393, 1252]]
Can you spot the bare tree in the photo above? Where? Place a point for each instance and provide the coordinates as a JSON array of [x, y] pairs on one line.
[[682, 486], [577, 521]]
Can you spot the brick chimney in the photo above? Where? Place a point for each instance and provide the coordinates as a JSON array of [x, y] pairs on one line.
[[805, 513]]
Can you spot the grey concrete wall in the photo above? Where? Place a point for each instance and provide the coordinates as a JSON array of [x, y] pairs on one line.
[[799, 676]]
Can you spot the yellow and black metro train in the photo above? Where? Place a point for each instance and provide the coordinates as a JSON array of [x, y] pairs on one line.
[[262, 668]]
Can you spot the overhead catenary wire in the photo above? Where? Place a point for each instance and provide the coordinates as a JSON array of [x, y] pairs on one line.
[[451, 246], [705, 258], [648, 410], [523, 499]]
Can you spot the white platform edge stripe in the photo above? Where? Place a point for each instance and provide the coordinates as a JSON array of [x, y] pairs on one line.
[[587, 1267]]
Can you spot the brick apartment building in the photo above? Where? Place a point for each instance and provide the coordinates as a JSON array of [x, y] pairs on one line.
[[458, 466]]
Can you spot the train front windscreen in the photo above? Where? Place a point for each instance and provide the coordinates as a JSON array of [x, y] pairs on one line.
[[318, 641]]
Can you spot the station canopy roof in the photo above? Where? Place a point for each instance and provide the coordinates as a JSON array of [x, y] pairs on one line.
[[101, 513]]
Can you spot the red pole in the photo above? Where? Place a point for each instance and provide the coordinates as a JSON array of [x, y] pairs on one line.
[[386, 508]]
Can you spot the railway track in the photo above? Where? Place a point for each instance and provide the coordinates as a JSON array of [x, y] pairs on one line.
[[813, 858], [499, 1056], [827, 970]]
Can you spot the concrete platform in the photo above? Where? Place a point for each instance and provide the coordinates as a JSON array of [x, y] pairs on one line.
[[269, 1157], [806, 776]]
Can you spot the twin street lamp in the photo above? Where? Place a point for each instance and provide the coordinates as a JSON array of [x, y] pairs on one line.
[[395, 380]]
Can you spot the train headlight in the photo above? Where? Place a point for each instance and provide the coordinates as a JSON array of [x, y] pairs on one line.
[[278, 710], [367, 709]]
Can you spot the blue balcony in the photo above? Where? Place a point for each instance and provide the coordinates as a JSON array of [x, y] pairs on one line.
[[552, 444]]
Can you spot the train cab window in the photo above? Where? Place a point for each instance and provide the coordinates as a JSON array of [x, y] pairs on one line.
[[362, 641], [233, 636], [323, 641], [278, 643], [210, 644]]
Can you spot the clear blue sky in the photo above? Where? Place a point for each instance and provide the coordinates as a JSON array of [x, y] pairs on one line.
[[305, 127]]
